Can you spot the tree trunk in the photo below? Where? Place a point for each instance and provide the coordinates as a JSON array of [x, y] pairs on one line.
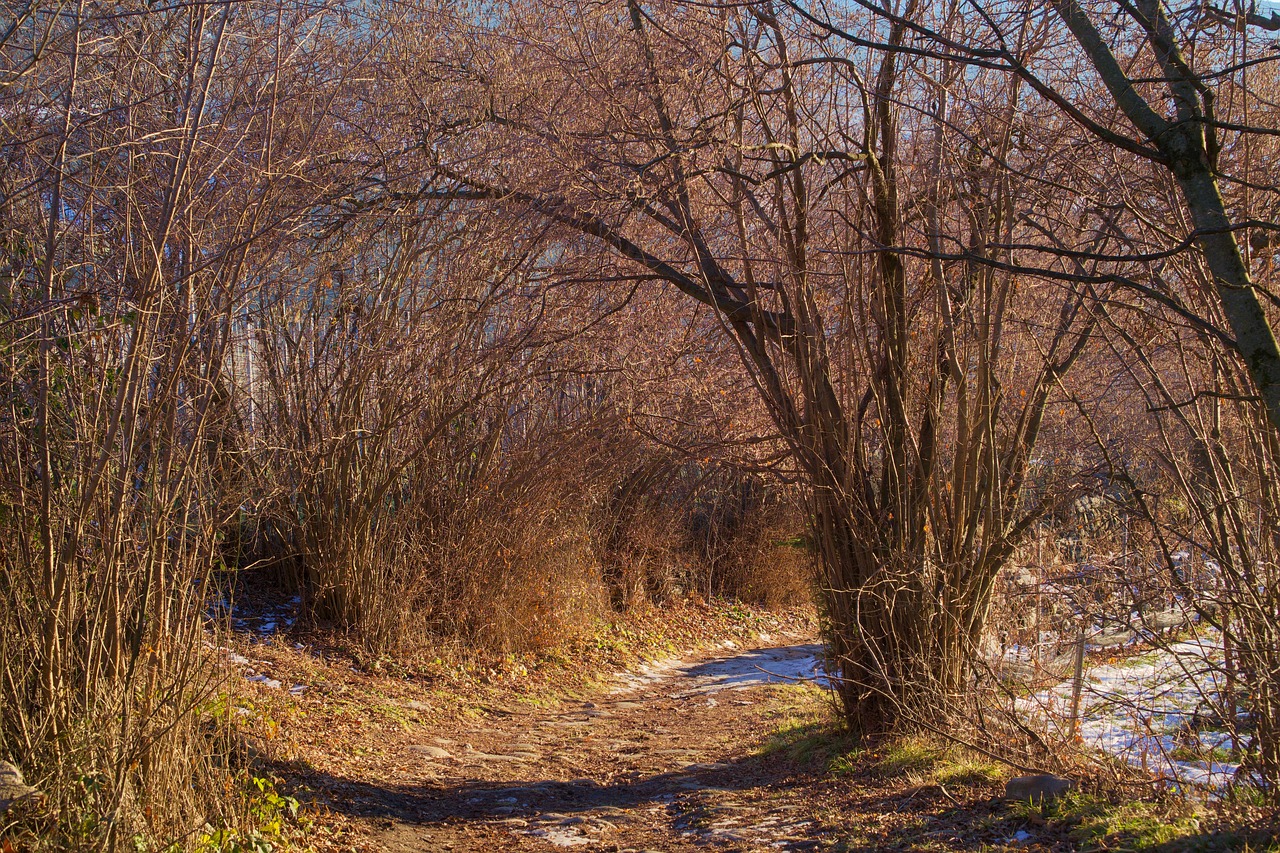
[[1236, 291], [899, 637]]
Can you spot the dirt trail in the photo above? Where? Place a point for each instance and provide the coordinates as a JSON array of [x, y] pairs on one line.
[[664, 760]]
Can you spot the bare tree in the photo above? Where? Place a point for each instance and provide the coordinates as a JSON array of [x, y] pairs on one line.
[[1186, 140], [764, 179], [1180, 110]]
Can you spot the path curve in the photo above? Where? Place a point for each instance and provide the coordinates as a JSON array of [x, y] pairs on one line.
[[665, 759]]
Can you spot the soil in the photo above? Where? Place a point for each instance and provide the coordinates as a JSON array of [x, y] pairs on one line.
[[727, 751], [657, 765]]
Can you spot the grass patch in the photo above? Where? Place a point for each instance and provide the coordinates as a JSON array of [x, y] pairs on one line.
[[1192, 753], [1096, 824], [908, 756], [846, 763], [813, 743], [966, 772], [921, 759], [807, 730]]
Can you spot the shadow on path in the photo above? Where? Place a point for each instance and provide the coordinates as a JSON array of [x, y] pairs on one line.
[[474, 799]]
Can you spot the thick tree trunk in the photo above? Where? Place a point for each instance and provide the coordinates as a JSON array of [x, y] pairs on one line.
[[898, 637], [1236, 291]]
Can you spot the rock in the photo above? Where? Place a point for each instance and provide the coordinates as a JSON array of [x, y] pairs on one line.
[[474, 757], [1037, 789], [726, 834], [13, 788], [611, 811]]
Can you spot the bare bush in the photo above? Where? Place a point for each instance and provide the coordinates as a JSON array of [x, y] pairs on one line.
[[140, 185]]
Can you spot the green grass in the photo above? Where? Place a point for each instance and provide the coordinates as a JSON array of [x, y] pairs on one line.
[[1137, 826], [807, 729], [1096, 824], [1249, 796], [810, 734], [925, 760], [967, 772], [846, 763], [908, 756], [1191, 753], [809, 742]]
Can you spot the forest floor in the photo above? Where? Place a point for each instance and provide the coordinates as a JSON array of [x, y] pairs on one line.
[[726, 744]]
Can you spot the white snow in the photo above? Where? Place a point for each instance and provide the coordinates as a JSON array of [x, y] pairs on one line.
[[1135, 710], [786, 664]]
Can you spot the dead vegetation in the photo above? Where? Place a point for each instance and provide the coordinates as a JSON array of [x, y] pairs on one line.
[[476, 330]]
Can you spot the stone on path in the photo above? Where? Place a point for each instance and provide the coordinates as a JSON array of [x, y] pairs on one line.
[[1041, 787], [432, 751]]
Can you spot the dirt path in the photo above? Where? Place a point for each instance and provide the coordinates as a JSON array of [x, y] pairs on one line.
[[668, 759], [725, 753]]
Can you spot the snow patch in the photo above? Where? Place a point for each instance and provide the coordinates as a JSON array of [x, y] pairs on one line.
[[787, 664], [1140, 711]]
